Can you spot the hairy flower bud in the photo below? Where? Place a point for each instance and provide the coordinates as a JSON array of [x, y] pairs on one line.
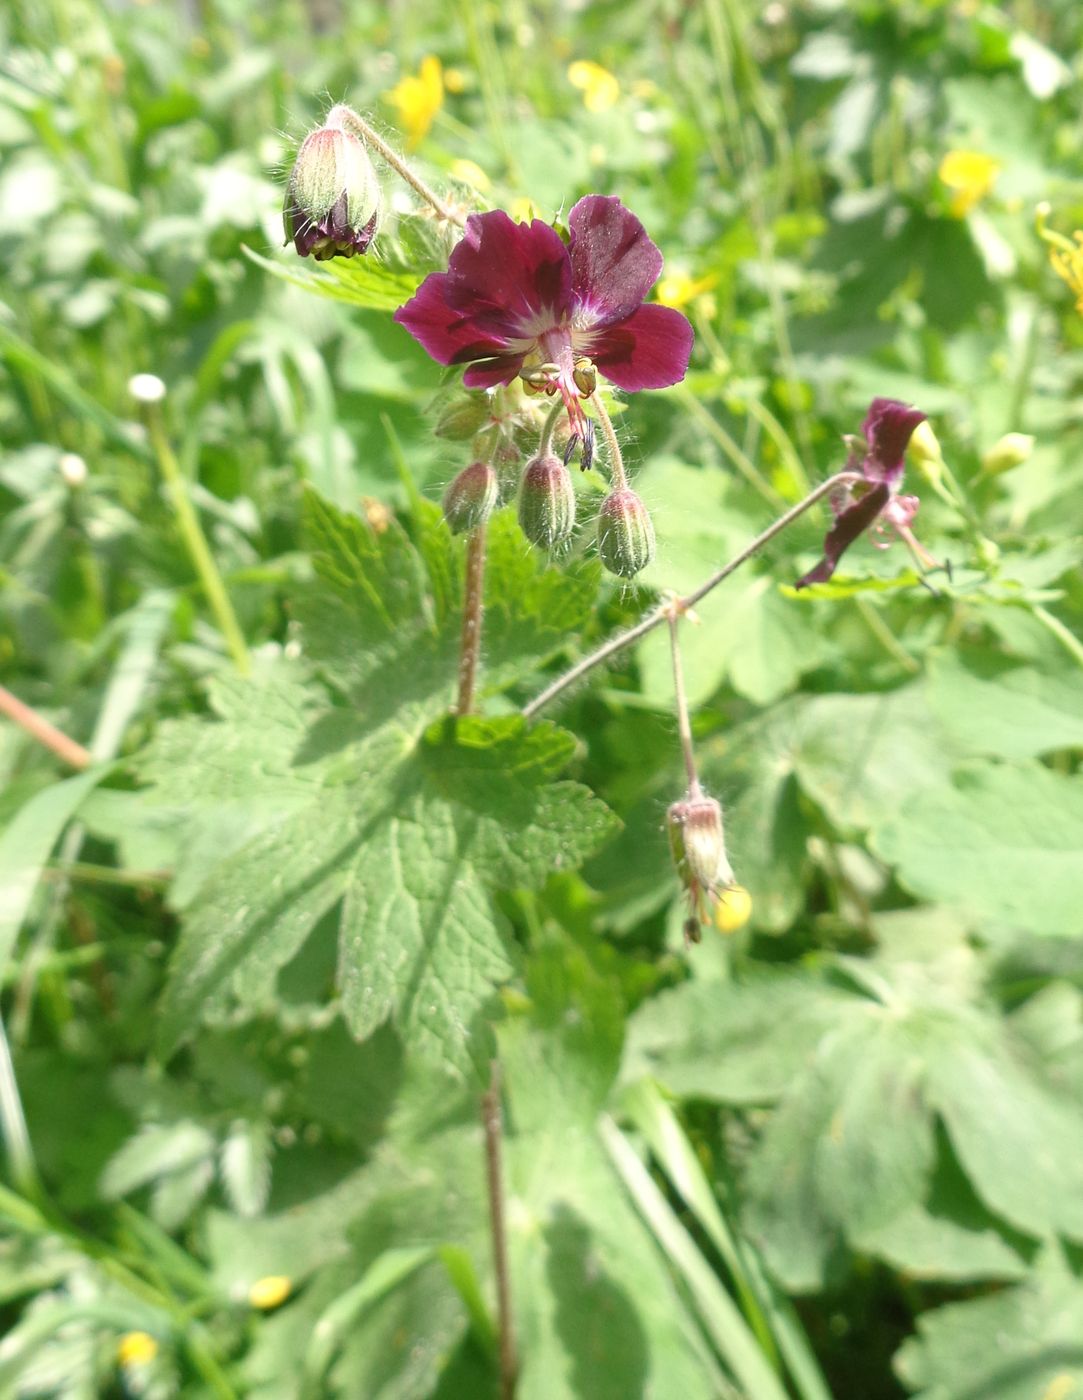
[[463, 417], [698, 843], [471, 498], [1011, 451], [547, 502], [333, 197], [625, 534]]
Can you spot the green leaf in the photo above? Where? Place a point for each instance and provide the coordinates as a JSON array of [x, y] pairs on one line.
[[859, 756], [245, 1164], [156, 1151], [403, 827], [25, 846], [357, 282], [1020, 1344], [867, 1058], [1004, 711], [1001, 842]]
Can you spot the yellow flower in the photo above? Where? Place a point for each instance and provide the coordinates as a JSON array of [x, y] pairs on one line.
[[468, 172], [599, 87], [970, 175], [136, 1349], [522, 209], [454, 80], [269, 1292], [1067, 260], [733, 909], [678, 289], [418, 99]]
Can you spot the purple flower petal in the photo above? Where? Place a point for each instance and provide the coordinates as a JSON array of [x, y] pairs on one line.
[[888, 428], [851, 523], [507, 274], [502, 279], [648, 350], [488, 373], [614, 264], [448, 335]]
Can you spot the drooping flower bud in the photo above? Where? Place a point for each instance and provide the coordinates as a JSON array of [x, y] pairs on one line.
[[471, 498], [625, 534], [698, 843], [463, 417], [547, 502], [332, 202]]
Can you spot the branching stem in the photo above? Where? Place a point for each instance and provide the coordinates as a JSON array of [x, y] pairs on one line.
[[348, 118], [473, 604], [660, 614], [494, 1176], [45, 733]]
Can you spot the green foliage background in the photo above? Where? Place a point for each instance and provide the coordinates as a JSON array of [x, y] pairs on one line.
[[257, 958]]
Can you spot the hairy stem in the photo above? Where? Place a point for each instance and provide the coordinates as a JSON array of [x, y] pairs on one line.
[[616, 461], [195, 541], [473, 599], [660, 614], [350, 119], [545, 442], [494, 1177], [684, 724], [39, 728]]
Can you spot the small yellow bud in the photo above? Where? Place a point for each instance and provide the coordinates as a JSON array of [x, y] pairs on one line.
[[270, 1292], [925, 453], [136, 1349], [733, 909], [1011, 451]]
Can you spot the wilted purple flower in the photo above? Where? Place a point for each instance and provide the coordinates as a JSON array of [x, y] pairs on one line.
[[878, 455], [333, 197], [517, 300]]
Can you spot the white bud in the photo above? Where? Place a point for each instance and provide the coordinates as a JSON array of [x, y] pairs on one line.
[[146, 388], [73, 469]]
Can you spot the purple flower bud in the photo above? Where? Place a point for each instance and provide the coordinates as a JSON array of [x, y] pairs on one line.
[[547, 502], [625, 534], [333, 197], [698, 843], [471, 498]]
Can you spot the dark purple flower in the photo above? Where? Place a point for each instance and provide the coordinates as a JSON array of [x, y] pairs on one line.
[[879, 456], [333, 198], [516, 299]]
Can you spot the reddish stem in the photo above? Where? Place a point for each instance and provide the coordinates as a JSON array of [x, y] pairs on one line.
[[473, 600], [44, 732]]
